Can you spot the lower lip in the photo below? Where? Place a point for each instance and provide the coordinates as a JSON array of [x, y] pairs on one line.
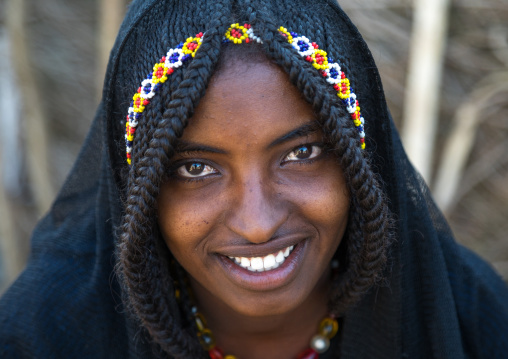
[[267, 280]]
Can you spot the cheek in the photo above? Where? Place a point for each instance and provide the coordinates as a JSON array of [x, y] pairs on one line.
[[324, 199], [184, 217]]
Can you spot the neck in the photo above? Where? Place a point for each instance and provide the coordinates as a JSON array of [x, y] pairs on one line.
[[281, 336]]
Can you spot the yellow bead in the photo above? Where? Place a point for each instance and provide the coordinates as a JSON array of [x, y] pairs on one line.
[[200, 321], [230, 357], [328, 327], [363, 146]]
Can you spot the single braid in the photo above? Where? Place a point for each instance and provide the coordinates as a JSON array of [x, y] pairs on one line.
[[148, 283]]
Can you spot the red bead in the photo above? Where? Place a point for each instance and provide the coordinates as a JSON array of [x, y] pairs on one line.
[[170, 71], [199, 35], [308, 58], [336, 87], [163, 59], [128, 155], [308, 354], [247, 40], [146, 102], [216, 353], [139, 89], [342, 75], [315, 45], [362, 140], [247, 26]]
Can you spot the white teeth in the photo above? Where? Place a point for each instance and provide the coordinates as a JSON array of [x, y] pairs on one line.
[[280, 257], [269, 261], [261, 264], [245, 262], [256, 263]]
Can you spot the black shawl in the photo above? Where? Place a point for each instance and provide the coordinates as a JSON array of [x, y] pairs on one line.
[[439, 300]]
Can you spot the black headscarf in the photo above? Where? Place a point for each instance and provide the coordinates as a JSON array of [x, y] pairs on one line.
[[439, 299]]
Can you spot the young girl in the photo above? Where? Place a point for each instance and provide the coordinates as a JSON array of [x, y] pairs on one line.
[[243, 193]]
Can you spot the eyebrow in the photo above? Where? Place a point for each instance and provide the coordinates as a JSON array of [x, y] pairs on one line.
[[188, 146], [302, 131], [306, 129]]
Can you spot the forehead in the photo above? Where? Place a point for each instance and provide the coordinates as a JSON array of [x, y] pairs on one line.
[[252, 99]]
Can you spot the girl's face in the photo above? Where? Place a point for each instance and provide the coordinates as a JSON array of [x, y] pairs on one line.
[[253, 188]]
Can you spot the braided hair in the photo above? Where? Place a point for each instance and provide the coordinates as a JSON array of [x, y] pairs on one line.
[[144, 262]]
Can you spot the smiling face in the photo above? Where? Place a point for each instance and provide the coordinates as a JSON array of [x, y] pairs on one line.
[[255, 207]]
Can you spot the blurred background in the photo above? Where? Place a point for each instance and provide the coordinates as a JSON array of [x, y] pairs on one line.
[[444, 66]]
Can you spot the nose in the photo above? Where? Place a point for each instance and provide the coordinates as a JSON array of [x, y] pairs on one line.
[[257, 212]]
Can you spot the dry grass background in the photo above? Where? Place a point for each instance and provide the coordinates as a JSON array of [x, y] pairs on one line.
[[65, 61]]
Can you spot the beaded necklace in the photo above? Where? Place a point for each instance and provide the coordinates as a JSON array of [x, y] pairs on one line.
[[319, 343], [238, 34]]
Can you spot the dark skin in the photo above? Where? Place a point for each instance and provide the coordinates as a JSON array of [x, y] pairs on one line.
[[251, 178]]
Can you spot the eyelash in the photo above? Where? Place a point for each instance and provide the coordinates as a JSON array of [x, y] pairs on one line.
[[197, 179]]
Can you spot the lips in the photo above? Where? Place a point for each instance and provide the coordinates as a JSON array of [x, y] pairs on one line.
[[268, 272]]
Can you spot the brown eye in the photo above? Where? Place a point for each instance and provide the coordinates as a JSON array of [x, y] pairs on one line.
[[195, 169], [303, 152]]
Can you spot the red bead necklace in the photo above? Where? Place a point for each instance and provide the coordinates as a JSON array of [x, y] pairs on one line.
[[319, 343]]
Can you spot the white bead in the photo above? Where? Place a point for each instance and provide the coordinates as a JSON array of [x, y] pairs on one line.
[[330, 79], [309, 51], [150, 94], [351, 108], [319, 343], [133, 123]]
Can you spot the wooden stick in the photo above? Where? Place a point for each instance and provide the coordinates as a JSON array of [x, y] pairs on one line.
[[459, 144], [423, 81]]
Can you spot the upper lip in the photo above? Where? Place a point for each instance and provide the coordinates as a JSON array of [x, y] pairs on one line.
[[260, 250]]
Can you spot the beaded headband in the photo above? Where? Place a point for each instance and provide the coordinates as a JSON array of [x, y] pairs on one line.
[[239, 34]]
